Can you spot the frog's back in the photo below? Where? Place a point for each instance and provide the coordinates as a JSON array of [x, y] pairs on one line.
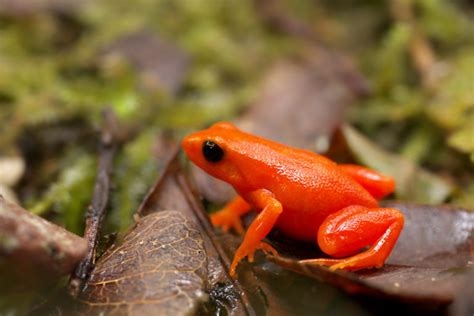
[[309, 186]]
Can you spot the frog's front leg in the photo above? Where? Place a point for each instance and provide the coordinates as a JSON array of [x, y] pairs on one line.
[[229, 216], [260, 227], [349, 230]]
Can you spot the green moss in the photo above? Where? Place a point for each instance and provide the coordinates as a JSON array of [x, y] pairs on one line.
[[71, 193]]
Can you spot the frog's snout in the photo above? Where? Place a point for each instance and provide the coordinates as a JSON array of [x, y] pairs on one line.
[[191, 145]]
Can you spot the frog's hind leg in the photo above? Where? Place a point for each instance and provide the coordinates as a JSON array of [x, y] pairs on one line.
[[353, 228], [377, 184]]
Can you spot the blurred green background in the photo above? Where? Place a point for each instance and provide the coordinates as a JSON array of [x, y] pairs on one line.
[[180, 65], [174, 66]]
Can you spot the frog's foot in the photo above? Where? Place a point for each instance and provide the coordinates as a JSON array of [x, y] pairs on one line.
[[227, 219], [364, 260], [249, 251]]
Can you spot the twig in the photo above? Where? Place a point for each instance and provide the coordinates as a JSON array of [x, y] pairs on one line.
[[109, 141]]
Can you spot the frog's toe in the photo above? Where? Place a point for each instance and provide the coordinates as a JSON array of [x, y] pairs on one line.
[[343, 265], [241, 253], [351, 264], [249, 252], [321, 262], [265, 247], [332, 264]]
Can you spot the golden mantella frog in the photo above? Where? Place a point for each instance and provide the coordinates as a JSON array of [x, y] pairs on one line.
[[305, 195]]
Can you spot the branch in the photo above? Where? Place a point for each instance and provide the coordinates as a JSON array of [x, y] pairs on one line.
[[109, 142]]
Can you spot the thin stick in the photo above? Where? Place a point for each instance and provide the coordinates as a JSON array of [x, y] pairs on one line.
[[109, 141]]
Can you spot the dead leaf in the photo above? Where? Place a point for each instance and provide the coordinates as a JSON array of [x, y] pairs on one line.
[[413, 182], [34, 250], [141, 272], [159, 63], [159, 268], [427, 266]]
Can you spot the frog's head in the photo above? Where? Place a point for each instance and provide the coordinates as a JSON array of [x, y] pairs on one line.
[[216, 151]]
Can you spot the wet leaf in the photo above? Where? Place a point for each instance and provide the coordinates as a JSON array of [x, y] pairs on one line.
[[413, 182], [428, 265], [159, 268], [34, 250]]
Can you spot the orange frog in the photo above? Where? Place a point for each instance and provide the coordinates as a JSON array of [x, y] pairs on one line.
[[305, 195]]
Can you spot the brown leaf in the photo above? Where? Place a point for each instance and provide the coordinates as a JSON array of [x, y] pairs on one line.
[[159, 268], [34, 250], [427, 266], [160, 64], [143, 275]]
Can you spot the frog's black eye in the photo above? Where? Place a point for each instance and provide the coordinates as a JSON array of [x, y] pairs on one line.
[[211, 151]]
